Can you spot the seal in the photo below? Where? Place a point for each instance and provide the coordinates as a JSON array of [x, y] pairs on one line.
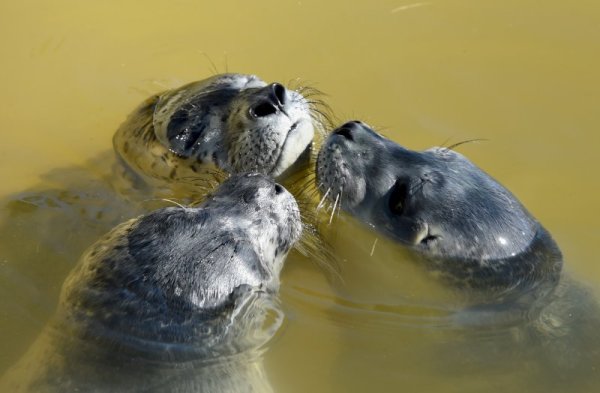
[[475, 234], [234, 122], [162, 297], [469, 228]]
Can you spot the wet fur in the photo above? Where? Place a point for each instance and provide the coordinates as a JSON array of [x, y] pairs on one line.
[[206, 124], [464, 226], [166, 294]]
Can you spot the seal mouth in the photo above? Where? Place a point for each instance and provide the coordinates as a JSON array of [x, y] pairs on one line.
[[424, 237], [279, 166]]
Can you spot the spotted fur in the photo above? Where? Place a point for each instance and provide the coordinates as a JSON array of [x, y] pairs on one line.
[[233, 122]]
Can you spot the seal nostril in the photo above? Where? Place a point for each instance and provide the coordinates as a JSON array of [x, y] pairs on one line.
[[278, 189], [279, 92], [345, 132], [263, 109]]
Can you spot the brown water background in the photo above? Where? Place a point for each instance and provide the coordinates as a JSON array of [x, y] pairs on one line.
[[523, 75]]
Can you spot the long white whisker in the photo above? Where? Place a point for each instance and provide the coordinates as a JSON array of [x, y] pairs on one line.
[[172, 201], [340, 204], [334, 206], [373, 248], [322, 201]]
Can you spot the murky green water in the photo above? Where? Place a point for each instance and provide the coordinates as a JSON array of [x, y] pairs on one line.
[[524, 75]]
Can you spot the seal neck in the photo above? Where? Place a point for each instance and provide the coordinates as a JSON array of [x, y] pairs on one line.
[[535, 271]]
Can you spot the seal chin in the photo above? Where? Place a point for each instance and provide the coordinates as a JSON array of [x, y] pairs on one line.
[[298, 139]]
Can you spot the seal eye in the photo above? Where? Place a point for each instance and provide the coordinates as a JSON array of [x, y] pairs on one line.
[[397, 199]]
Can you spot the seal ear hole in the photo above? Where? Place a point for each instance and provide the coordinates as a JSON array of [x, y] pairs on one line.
[[397, 198]]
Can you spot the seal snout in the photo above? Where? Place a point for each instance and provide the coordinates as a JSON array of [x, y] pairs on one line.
[[275, 97]]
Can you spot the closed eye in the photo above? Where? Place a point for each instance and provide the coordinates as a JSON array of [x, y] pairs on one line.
[[397, 199]]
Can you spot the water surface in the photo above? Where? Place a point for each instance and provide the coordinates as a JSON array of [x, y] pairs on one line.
[[523, 75]]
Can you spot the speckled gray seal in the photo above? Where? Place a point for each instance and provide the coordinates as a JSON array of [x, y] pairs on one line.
[[171, 301], [439, 204], [235, 122]]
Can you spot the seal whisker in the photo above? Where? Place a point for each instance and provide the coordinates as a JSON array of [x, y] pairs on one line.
[[302, 178], [315, 189], [174, 202], [214, 69], [334, 207], [451, 147], [340, 204], [322, 201], [308, 182], [165, 200], [373, 247]]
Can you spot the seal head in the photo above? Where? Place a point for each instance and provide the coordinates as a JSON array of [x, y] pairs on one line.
[[174, 264], [235, 122], [436, 202]]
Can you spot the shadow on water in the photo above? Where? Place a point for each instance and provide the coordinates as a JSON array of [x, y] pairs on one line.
[[43, 232]]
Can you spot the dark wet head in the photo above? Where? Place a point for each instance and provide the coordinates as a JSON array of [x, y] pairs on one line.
[[190, 276], [239, 237], [436, 201]]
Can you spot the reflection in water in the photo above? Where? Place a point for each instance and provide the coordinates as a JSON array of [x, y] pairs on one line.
[[44, 230], [227, 359], [393, 320]]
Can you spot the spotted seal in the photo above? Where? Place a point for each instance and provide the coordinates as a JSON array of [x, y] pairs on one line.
[[171, 300], [234, 122], [469, 228]]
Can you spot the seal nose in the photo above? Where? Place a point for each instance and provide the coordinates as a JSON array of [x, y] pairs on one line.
[[278, 189], [279, 93], [276, 98], [347, 129]]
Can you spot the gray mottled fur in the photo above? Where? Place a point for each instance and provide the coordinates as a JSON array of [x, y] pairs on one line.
[[172, 301], [234, 122]]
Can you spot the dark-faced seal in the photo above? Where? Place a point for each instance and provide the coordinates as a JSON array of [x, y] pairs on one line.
[[473, 232], [439, 204], [172, 300], [234, 122]]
